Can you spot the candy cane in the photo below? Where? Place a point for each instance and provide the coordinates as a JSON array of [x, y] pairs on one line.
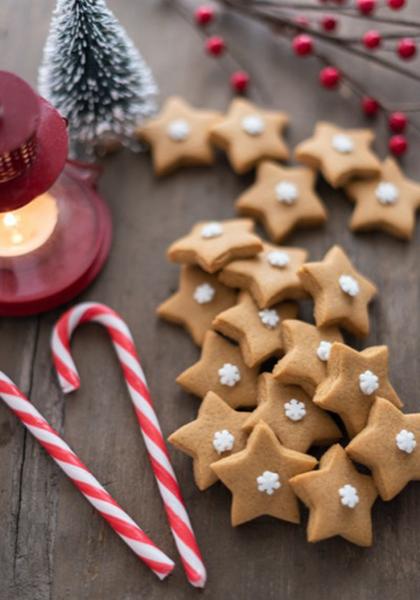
[[83, 479], [149, 425]]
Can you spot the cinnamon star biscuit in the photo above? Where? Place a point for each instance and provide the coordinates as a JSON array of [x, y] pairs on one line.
[[257, 331], [307, 350], [216, 432], [212, 244], [340, 154], [291, 414], [270, 277], [283, 198], [179, 136], [354, 380], [388, 202], [249, 134], [390, 446], [221, 369], [258, 478], [339, 499], [341, 294], [199, 299]]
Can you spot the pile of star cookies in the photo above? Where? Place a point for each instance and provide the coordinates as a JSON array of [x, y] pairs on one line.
[[283, 197], [274, 387]]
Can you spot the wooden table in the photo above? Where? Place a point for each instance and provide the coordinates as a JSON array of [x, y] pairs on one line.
[[52, 544]]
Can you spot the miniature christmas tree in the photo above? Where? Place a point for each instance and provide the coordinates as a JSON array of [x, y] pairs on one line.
[[92, 73]]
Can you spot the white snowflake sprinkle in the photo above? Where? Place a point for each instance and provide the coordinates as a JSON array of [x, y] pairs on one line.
[[349, 285], [278, 259], [286, 192], [349, 496], [406, 441], [229, 375], [294, 410], [223, 441], [368, 382], [268, 482], [211, 230], [342, 143], [269, 318], [324, 350], [178, 130], [386, 193], [204, 293], [253, 125]]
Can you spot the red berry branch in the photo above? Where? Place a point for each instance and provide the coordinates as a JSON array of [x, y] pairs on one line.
[[312, 32]]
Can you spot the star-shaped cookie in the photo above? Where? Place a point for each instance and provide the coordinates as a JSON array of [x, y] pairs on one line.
[[221, 369], [291, 414], [354, 380], [282, 199], [307, 349], [212, 244], [179, 136], [388, 202], [216, 432], [341, 294], [339, 499], [249, 134], [257, 331], [199, 299], [390, 446], [258, 478], [270, 277], [340, 154]]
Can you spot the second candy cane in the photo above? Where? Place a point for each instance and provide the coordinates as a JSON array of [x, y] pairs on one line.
[[149, 425]]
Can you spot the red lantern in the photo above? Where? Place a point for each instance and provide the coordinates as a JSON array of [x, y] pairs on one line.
[[55, 231]]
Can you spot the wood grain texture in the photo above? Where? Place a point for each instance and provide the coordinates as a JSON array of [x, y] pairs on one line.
[[52, 544]]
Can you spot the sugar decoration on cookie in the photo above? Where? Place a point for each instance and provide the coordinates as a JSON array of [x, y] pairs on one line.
[[229, 375], [223, 441], [268, 482], [294, 410]]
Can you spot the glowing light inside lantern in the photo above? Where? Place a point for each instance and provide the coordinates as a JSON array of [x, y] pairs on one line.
[[26, 229]]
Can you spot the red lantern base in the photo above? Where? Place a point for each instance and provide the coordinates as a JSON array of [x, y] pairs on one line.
[[70, 259]]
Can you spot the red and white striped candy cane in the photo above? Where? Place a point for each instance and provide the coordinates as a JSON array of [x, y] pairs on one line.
[[68, 377], [83, 479]]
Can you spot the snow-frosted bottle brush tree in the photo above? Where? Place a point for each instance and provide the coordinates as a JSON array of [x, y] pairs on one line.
[[93, 74]]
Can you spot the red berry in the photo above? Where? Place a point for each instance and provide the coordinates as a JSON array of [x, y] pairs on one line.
[[406, 48], [397, 122], [372, 39], [398, 144], [215, 45], [329, 77], [204, 15], [366, 6], [328, 23], [396, 4], [239, 81], [302, 44], [370, 106]]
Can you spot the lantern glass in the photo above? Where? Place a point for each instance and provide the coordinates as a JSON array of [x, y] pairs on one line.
[[24, 230]]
